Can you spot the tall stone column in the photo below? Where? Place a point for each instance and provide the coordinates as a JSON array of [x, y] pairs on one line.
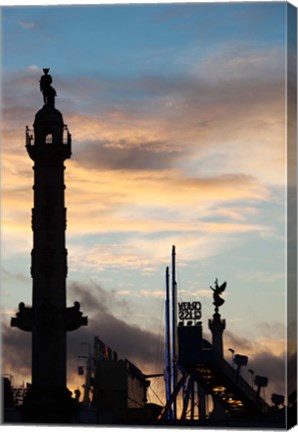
[[49, 319], [217, 325]]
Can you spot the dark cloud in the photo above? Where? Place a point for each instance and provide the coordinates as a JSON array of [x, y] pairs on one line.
[[129, 341], [243, 344], [216, 180], [94, 298], [19, 93], [263, 363], [273, 329], [16, 351], [271, 366], [127, 156]]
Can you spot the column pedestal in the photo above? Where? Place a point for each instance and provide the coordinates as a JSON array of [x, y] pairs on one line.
[[217, 326], [49, 405]]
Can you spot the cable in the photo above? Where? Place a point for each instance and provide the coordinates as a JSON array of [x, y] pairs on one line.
[[156, 395]]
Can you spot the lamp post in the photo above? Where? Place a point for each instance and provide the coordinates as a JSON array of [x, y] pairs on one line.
[[240, 360], [233, 352], [277, 400], [260, 382]]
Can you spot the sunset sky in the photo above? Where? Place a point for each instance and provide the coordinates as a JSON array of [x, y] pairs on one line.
[[177, 114]]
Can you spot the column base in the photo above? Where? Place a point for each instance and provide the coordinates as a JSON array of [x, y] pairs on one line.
[[49, 405]]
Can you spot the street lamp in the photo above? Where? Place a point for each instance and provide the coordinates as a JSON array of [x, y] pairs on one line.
[[240, 360], [277, 400], [261, 382], [233, 352]]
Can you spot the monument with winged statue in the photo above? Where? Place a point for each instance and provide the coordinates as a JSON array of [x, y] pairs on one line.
[[217, 324]]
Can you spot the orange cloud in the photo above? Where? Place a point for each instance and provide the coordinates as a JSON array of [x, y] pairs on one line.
[[134, 201]]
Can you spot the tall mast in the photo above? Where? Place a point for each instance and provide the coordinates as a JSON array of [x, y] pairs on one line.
[[168, 342], [174, 328]]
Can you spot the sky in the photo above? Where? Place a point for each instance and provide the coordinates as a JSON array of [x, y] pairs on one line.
[[177, 114]]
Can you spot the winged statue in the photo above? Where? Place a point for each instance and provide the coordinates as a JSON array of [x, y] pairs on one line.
[[217, 292]]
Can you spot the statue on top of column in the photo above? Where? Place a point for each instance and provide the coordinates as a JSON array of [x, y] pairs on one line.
[[217, 292], [47, 90]]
